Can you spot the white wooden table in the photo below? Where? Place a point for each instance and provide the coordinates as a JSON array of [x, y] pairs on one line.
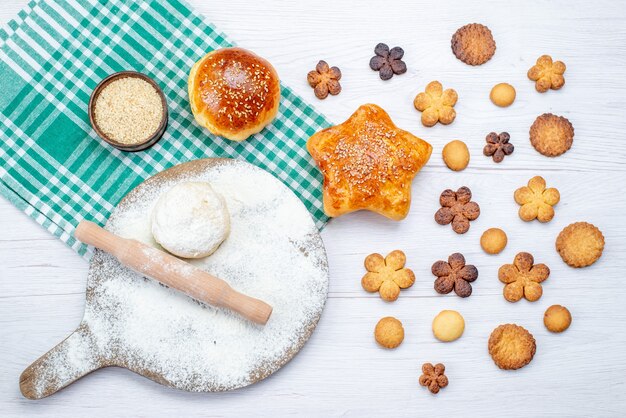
[[341, 371]]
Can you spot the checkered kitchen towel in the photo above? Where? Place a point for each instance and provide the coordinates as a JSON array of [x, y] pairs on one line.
[[52, 164]]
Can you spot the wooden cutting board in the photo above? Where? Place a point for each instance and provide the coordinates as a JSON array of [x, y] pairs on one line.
[[273, 252]]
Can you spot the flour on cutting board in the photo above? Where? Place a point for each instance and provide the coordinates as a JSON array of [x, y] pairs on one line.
[[273, 253]]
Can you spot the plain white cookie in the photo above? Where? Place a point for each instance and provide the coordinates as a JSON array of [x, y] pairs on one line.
[[190, 220]]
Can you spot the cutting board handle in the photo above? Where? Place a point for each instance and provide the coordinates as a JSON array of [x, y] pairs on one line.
[[67, 362]]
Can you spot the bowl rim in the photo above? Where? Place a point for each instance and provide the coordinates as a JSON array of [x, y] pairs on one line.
[[152, 139]]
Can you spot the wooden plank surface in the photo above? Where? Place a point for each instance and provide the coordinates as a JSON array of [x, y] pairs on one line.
[[341, 371]]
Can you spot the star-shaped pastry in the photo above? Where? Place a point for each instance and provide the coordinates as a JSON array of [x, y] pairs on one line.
[[368, 163]]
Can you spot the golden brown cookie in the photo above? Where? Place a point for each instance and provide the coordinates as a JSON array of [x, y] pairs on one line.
[[433, 377], [389, 332], [502, 94], [523, 278], [324, 80], [536, 200], [457, 209], [436, 104], [580, 244], [551, 135], [493, 240], [557, 318], [511, 347], [456, 155], [547, 74], [387, 275], [473, 44], [448, 326]]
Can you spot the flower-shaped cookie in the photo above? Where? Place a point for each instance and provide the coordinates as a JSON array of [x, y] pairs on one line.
[[388, 62], [498, 146], [454, 274], [457, 208], [547, 74], [436, 104], [324, 80], [387, 275], [433, 377], [536, 200], [523, 278]]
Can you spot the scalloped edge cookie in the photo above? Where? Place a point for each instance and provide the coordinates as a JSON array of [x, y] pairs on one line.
[[511, 346], [551, 135], [473, 44], [580, 244]]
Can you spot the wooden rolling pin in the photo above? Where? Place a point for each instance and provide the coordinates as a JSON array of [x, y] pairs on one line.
[[173, 272]]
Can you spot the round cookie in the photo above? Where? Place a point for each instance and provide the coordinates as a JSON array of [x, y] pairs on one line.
[[580, 244], [551, 135], [456, 155], [557, 318], [502, 94], [493, 240], [190, 220], [511, 346], [448, 326], [473, 44], [389, 332]]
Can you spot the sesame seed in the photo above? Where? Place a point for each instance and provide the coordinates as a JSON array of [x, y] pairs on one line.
[[128, 110]]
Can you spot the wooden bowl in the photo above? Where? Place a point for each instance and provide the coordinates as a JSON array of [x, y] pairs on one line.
[[151, 140]]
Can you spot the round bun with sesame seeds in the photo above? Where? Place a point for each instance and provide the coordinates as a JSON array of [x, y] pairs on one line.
[[234, 93]]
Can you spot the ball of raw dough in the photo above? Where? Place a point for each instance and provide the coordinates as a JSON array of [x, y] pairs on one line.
[[448, 326], [190, 220], [389, 332], [456, 155], [557, 318], [502, 94], [493, 240]]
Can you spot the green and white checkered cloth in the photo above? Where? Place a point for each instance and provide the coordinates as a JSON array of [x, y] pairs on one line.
[[52, 164]]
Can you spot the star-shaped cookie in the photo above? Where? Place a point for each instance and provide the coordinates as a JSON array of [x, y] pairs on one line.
[[368, 163]]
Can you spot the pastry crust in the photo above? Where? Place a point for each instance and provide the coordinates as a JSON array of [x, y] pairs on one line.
[[511, 346], [389, 332], [473, 44], [551, 135], [368, 163], [580, 244], [233, 93]]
